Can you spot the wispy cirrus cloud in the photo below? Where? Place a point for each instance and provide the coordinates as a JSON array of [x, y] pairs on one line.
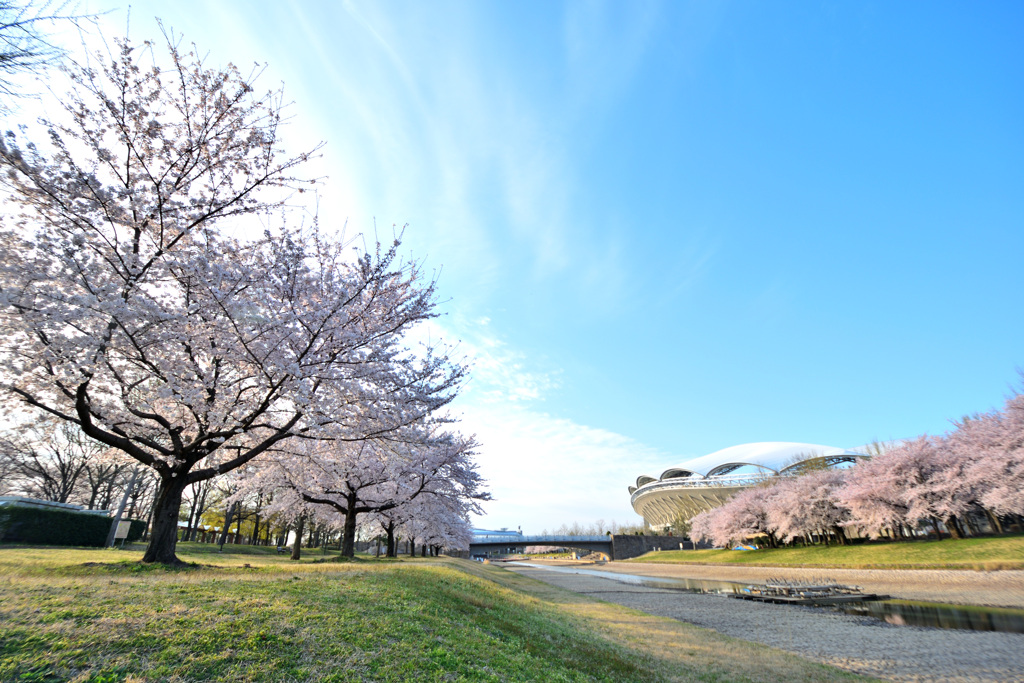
[[436, 128], [501, 373]]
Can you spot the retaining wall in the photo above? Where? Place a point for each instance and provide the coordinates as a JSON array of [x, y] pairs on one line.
[[625, 547]]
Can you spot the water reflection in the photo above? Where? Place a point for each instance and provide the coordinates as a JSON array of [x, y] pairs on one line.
[[938, 615]]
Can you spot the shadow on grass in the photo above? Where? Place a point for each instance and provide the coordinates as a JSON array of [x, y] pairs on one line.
[[138, 567]]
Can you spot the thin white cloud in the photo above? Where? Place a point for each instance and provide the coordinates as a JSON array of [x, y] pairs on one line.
[[499, 373], [545, 471]]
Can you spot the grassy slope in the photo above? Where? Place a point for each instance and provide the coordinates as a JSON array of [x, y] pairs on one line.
[[93, 615], [1004, 552]]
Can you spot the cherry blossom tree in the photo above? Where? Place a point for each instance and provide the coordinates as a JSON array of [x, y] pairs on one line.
[[934, 488], [701, 527], [134, 307], [285, 504], [977, 468], [742, 516], [373, 475], [993, 445], [873, 494], [915, 482], [805, 505], [436, 521], [390, 522]]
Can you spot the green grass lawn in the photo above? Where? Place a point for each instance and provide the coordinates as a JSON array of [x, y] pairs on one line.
[[99, 616], [1002, 552]]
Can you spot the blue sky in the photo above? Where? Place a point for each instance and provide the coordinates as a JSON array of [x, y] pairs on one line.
[[665, 229]]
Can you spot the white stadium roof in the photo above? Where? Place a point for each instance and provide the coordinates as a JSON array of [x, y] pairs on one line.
[[768, 455]]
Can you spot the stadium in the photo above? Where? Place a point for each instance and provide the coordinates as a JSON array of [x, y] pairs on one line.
[[706, 482]]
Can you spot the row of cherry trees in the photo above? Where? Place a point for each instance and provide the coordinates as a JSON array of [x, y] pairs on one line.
[[974, 472], [162, 293], [420, 478]]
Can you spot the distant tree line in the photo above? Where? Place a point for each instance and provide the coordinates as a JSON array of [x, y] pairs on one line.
[[596, 528], [50, 460]]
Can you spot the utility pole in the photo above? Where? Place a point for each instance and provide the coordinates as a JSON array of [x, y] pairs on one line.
[[111, 537]]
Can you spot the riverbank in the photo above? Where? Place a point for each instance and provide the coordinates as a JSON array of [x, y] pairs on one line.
[[984, 554], [857, 644]]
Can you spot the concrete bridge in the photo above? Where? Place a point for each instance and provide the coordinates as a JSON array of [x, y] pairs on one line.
[[618, 547]]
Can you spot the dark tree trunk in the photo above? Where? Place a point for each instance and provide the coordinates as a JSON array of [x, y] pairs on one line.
[[227, 524], [297, 545], [390, 529], [954, 527], [256, 522], [993, 520], [968, 526], [164, 538], [135, 496], [108, 495], [348, 541]]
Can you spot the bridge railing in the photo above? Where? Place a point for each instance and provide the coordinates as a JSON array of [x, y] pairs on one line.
[[540, 540]]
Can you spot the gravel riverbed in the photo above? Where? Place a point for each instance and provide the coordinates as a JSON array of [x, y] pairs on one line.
[[860, 644], [1004, 588]]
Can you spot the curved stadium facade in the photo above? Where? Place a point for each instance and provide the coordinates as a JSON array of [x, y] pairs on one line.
[[708, 481]]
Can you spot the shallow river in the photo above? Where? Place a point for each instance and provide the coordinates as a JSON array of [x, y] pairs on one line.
[[896, 612]]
